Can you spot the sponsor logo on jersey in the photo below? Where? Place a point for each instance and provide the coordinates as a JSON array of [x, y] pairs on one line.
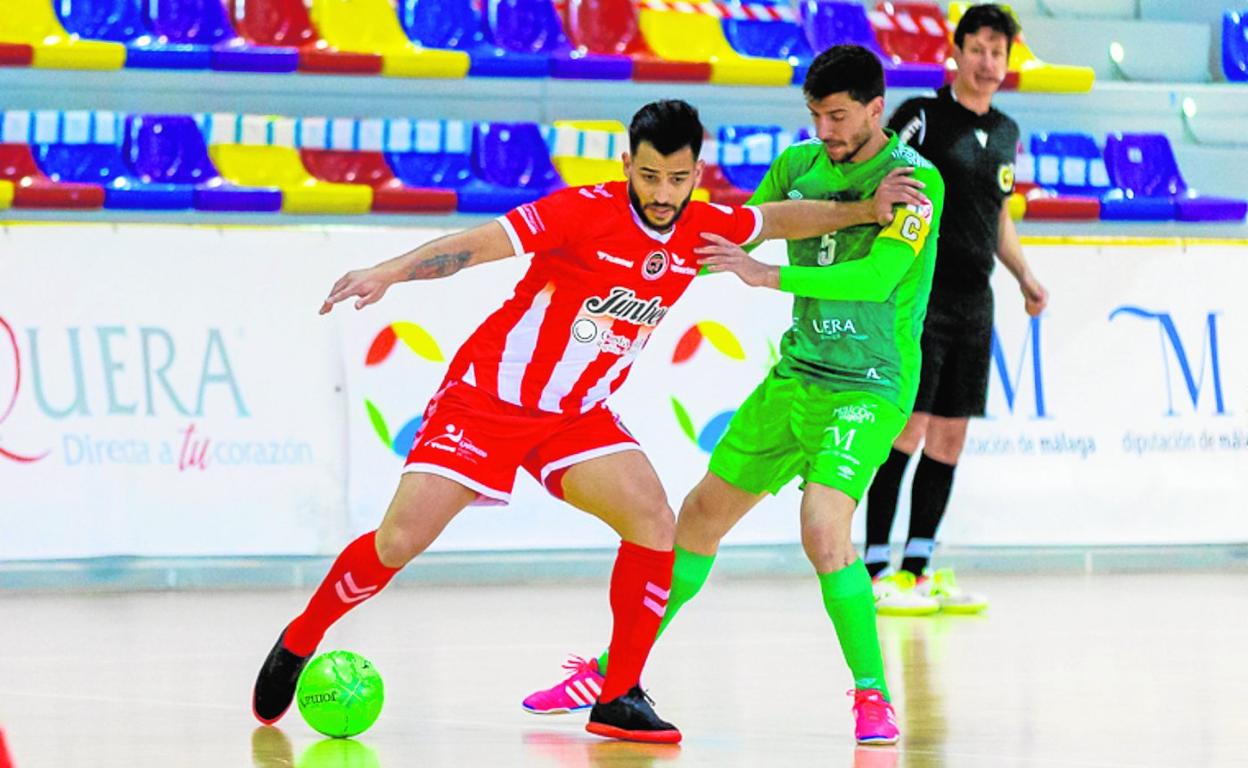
[[616, 260], [655, 265], [834, 326], [1005, 177], [794, 194], [623, 304], [532, 218], [678, 266], [586, 331], [454, 441], [858, 413]]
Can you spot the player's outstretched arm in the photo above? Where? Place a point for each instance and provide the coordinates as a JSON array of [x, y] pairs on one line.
[[797, 219], [437, 258]]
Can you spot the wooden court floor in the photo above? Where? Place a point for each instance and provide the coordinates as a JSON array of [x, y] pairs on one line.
[[1095, 671]]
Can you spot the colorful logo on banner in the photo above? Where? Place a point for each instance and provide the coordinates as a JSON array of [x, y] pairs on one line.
[[424, 346], [722, 340], [7, 404]]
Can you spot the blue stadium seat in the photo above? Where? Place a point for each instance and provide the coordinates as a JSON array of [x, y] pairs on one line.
[[773, 40], [833, 22], [746, 152], [457, 25], [169, 149], [1070, 164], [122, 21], [534, 27], [430, 153], [103, 164], [1143, 166], [1235, 46], [512, 166]]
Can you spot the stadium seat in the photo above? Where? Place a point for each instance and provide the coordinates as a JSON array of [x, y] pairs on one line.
[[390, 195], [588, 151], [1235, 46], [371, 26], [204, 23], [33, 23], [1063, 177], [16, 55], [1212, 120], [169, 149], [613, 27], [105, 164], [781, 38], [33, 189], [534, 26], [1033, 73], [6, 194], [745, 152], [431, 153], [456, 25], [698, 37], [720, 189], [123, 21], [831, 22], [270, 166], [511, 165], [1142, 165], [913, 33], [285, 23]]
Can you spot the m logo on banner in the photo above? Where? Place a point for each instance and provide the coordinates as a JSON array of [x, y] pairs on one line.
[[1011, 386], [1208, 356]]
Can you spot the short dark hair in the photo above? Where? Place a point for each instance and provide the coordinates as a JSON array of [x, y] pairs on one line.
[[669, 125], [848, 69], [988, 15]]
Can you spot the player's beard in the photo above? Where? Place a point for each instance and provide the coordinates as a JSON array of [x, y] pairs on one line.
[[641, 211], [852, 156]]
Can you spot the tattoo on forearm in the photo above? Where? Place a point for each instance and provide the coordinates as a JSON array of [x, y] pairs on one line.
[[439, 265]]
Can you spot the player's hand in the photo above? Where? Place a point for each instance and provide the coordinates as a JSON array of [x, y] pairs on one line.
[[368, 284], [723, 255], [899, 187], [1035, 297]]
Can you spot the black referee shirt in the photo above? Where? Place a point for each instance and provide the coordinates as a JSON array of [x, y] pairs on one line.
[[975, 155]]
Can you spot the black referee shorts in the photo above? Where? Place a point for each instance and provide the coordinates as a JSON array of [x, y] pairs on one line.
[[957, 354]]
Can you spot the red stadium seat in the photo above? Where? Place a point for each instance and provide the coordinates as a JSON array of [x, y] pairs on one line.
[[32, 189], [16, 55], [286, 23], [369, 168], [613, 27]]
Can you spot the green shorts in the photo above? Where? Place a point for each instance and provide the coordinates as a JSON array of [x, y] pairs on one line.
[[788, 427]]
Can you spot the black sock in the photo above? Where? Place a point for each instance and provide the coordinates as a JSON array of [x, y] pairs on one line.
[[882, 508], [928, 500]]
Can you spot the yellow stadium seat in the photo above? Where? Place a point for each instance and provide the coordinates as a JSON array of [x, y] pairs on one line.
[[265, 166], [34, 23], [588, 151], [1035, 74], [6, 194], [698, 37], [370, 26]]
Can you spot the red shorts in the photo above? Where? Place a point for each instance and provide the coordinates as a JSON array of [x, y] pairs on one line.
[[479, 441]]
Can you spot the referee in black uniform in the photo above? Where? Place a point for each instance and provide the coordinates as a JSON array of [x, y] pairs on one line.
[[973, 146]]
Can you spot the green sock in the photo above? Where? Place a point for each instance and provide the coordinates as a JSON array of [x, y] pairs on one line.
[[850, 604], [689, 573]]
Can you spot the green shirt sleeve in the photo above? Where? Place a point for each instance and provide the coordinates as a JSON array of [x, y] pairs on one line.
[[875, 276]]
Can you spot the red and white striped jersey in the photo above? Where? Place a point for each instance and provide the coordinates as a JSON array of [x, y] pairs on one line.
[[599, 284]]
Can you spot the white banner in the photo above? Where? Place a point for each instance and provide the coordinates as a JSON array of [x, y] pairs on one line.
[[170, 390], [167, 391]]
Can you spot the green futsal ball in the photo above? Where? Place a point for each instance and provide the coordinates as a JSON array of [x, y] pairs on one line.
[[340, 694]]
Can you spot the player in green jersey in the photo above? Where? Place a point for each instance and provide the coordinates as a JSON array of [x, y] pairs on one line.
[[846, 381]]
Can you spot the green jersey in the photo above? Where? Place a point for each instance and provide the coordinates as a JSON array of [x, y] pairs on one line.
[[860, 294]]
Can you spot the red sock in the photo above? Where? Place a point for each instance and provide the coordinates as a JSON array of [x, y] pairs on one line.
[[355, 576], [640, 585]]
